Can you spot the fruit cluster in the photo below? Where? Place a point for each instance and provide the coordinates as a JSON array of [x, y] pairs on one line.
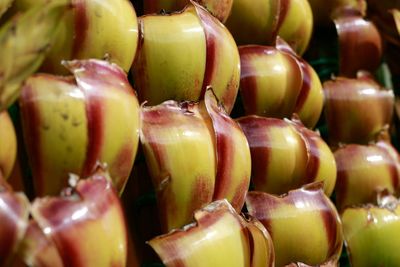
[[196, 133]]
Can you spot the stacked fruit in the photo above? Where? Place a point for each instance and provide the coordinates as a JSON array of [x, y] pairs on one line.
[[214, 161]]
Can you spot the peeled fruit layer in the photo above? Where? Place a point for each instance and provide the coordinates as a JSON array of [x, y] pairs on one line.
[[356, 110], [8, 145], [304, 225], [72, 123], [181, 54], [195, 153], [286, 155], [86, 224], [219, 237], [372, 234], [364, 171]]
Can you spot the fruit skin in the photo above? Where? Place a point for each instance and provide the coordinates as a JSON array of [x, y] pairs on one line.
[[8, 145], [195, 154], [286, 155], [324, 11], [200, 52], [276, 82], [356, 110], [270, 81], [22, 50], [375, 167], [14, 214], [260, 22], [219, 237], [92, 29], [218, 8], [304, 225], [298, 13], [72, 123], [357, 38], [90, 211], [372, 233]]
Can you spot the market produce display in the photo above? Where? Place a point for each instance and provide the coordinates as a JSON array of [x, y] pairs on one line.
[[199, 133]]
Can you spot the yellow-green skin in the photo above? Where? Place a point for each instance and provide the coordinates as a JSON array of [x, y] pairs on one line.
[[219, 8], [92, 29], [195, 154], [304, 225], [180, 54], [261, 21], [8, 145], [297, 25], [70, 125], [372, 235], [220, 237], [94, 215]]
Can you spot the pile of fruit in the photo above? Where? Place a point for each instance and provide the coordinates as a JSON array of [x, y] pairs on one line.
[[199, 133]]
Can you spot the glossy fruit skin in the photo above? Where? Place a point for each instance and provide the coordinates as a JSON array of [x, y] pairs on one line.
[[371, 234], [200, 52], [14, 214], [90, 211], [260, 22], [357, 37], [304, 225], [92, 29], [325, 11], [219, 237], [286, 155], [218, 8], [72, 123], [8, 145], [276, 82], [373, 166], [219, 165], [369, 104]]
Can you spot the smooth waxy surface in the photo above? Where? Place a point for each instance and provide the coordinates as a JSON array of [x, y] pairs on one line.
[[219, 8], [279, 155], [218, 166], [324, 11], [72, 123], [357, 38], [363, 171], [270, 81], [90, 212], [171, 60], [372, 234], [304, 225], [182, 53], [260, 22], [219, 237], [276, 82], [286, 155], [92, 29], [356, 110], [296, 24], [8, 145], [253, 22]]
